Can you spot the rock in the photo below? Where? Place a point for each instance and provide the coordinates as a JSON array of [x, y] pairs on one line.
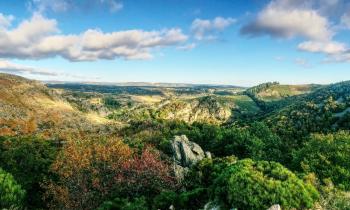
[[185, 152], [275, 207], [208, 155], [180, 171], [211, 206], [185, 155]]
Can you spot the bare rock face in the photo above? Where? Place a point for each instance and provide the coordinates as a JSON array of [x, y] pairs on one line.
[[187, 153], [275, 207]]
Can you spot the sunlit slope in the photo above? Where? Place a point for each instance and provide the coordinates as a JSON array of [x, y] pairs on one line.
[[29, 107]]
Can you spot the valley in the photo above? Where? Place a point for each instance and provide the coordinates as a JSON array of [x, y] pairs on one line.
[[270, 130]]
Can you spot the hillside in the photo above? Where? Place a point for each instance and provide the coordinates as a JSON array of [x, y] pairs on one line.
[[210, 104], [29, 107], [324, 110], [274, 91], [272, 95]]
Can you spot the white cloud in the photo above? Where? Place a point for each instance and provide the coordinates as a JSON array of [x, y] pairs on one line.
[[345, 20], [40, 37], [13, 68], [206, 29], [330, 47], [308, 19], [5, 20], [281, 19], [343, 57], [113, 5], [41, 6], [9, 67]]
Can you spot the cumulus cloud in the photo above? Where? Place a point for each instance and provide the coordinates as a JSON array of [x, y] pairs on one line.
[[330, 47], [308, 19], [207, 29], [282, 19], [40, 37], [5, 20]]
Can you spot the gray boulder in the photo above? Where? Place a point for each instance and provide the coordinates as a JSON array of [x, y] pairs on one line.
[[187, 153], [275, 207]]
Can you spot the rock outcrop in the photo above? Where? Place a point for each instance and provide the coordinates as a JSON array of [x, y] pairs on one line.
[[185, 154], [275, 207]]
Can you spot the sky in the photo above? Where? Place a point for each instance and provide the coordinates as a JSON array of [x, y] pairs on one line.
[[237, 42]]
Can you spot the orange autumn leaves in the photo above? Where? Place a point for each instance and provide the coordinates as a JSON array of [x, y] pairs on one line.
[[90, 171]]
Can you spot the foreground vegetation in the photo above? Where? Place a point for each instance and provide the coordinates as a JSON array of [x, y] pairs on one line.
[[289, 148]]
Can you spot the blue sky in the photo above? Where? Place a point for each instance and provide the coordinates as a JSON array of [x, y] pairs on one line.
[[239, 42]]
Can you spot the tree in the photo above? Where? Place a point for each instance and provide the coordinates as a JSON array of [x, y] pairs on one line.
[[87, 173], [258, 185], [125, 204], [11, 194], [28, 159], [145, 175], [327, 156], [93, 171]]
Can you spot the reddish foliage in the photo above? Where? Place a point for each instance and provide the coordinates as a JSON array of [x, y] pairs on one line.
[[91, 171], [146, 174]]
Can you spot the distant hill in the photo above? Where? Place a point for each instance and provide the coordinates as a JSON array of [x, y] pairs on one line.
[[272, 95], [324, 110], [275, 91], [29, 107], [137, 84]]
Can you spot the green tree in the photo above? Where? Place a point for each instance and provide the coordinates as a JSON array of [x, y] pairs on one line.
[[28, 159], [125, 204], [11, 193], [328, 157], [258, 185]]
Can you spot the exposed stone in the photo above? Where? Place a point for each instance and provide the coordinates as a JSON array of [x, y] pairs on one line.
[[275, 207], [185, 152], [185, 155], [211, 206]]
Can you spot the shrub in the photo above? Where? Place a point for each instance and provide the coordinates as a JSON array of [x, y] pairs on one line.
[[125, 204], [328, 157], [92, 171], [258, 185], [11, 194], [28, 159]]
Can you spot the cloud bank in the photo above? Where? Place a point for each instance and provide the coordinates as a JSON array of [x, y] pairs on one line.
[[40, 37]]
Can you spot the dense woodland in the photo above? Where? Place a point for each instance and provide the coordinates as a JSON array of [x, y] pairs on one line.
[[292, 150]]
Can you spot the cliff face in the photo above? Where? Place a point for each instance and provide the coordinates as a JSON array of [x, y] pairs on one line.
[[206, 109]]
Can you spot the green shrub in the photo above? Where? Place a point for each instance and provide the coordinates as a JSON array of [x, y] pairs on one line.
[[28, 159], [164, 200], [125, 204], [328, 157], [11, 193], [258, 185]]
